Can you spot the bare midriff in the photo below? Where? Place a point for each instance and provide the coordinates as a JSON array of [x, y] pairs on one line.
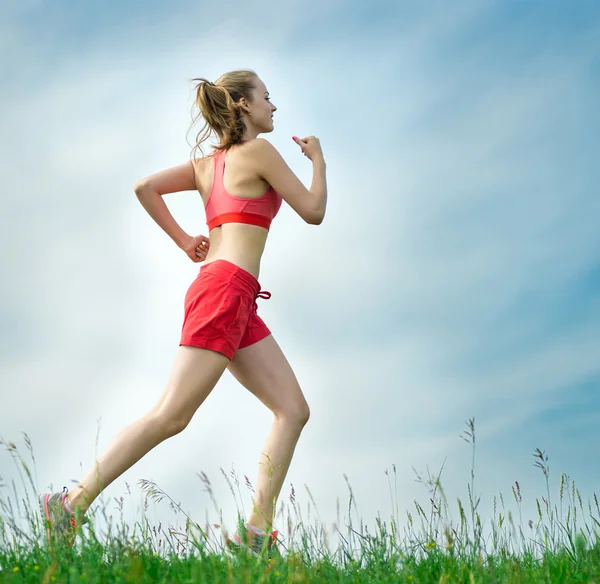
[[238, 243]]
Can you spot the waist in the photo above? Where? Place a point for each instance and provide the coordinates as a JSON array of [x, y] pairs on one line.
[[241, 245], [241, 261], [229, 270]]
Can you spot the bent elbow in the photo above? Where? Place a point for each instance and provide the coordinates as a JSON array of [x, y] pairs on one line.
[[315, 218], [140, 187]]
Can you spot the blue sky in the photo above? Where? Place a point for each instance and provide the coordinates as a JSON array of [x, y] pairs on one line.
[[456, 274]]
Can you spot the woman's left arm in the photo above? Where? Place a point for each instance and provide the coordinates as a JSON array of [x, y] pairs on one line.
[[150, 193]]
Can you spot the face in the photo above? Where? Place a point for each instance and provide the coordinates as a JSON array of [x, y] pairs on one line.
[[260, 108]]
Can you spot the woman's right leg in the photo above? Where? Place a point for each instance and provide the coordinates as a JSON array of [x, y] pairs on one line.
[[194, 374]]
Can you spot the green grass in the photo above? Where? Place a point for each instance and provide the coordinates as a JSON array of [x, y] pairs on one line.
[[427, 546]]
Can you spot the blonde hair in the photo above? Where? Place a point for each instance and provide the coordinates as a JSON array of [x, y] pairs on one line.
[[218, 104]]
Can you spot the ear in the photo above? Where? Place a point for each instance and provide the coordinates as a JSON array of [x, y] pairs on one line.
[[243, 103]]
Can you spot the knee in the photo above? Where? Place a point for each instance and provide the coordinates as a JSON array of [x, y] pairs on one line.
[[175, 426], [304, 414], [296, 414], [167, 424]]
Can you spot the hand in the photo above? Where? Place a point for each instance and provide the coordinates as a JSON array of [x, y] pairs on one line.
[[196, 248], [311, 147]]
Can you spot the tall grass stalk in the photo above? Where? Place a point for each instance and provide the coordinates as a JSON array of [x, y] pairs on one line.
[[431, 541]]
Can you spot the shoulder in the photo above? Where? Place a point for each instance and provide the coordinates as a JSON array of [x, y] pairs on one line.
[[263, 153], [203, 170], [202, 163], [201, 160], [260, 146]]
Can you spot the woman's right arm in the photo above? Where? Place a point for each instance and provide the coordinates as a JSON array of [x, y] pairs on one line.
[[309, 204]]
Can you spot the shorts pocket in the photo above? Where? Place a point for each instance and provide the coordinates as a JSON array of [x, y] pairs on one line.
[[240, 314]]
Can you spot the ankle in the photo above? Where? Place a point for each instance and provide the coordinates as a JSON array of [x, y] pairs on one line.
[[258, 526], [75, 501], [255, 529]]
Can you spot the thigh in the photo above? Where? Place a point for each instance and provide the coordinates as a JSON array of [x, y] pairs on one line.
[[193, 376], [263, 369], [256, 330]]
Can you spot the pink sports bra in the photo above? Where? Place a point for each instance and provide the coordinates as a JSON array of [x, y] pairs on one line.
[[222, 207]]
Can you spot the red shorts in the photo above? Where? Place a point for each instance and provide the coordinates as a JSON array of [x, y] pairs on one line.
[[221, 309]]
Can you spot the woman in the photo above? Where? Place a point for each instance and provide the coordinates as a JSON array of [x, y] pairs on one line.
[[242, 183]]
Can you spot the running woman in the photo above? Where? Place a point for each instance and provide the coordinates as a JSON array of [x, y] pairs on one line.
[[242, 183]]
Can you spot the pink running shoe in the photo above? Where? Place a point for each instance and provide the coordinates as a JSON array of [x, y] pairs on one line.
[[260, 543], [59, 519]]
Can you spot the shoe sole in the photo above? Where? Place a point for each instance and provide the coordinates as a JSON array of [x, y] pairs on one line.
[[239, 547], [43, 501]]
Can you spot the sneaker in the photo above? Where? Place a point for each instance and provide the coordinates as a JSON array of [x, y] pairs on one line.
[[260, 543], [59, 519]]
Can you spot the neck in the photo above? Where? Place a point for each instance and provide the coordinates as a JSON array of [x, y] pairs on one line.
[[251, 131]]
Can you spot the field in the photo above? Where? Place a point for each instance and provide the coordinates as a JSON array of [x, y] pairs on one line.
[[426, 546]]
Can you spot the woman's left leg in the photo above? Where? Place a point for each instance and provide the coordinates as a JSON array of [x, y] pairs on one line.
[[263, 369]]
